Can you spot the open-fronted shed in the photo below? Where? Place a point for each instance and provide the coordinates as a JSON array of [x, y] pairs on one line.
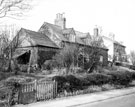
[[32, 48]]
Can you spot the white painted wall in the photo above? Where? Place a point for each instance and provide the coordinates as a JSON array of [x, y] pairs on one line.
[[109, 44]]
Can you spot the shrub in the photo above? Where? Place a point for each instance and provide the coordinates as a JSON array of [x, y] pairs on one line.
[[94, 88], [78, 70], [133, 75], [84, 81], [120, 78], [48, 65], [132, 67], [106, 87], [74, 83], [4, 75], [97, 79], [60, 83], [23, 67], [46, 72], [69, 83], [108, 81]]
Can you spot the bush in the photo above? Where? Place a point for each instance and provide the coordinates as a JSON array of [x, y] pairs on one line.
[[23, 67], [97, 79], [94, 88], [69, 83], [133, 75], [108, 81], [78, 70], [4, 75], [132, 67], [60, 83], [73, 83], [48, 65], [46, 72], [106, 87], [120, 78]]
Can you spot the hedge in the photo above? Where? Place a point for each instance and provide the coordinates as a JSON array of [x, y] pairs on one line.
[[133, 75], [120, 78], [60, 83], [97, 79], [71, 83]]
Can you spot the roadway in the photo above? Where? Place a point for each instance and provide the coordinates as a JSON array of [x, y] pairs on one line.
[[122, 101]]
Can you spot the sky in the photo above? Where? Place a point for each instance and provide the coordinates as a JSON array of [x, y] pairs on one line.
[[115, 16]]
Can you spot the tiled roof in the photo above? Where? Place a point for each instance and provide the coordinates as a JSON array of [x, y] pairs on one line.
[[116, 42], [57, 30], [81, 35], [40, 39], [113, 40], [78, 40], [67, 30]]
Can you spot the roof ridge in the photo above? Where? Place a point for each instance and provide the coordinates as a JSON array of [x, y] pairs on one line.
[[28, 31], [52, 24], [114, 40], [80, 31]]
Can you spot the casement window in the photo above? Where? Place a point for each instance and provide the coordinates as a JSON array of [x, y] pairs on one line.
[[101, 58], [62, 44]]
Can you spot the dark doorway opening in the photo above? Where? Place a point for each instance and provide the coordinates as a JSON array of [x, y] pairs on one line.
[[24, 59]]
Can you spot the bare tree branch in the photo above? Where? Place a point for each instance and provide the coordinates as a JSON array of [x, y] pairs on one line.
[[16, 8], [1, 2]]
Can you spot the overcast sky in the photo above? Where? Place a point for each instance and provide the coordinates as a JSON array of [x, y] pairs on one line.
[[117, 16]]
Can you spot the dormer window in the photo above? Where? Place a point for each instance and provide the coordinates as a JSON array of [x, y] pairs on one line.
[[45, 30], [66, 36], [101, 58], [62, 44]]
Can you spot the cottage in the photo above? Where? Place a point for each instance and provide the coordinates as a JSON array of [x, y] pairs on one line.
[[116, 49], [32, 48], [62, 36]]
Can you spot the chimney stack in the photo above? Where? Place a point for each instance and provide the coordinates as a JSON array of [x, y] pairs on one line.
[[96, 31], [60, 20], [112, 36]]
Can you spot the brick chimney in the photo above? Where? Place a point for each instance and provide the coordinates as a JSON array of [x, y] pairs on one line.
[[96, 31], [60, 20]]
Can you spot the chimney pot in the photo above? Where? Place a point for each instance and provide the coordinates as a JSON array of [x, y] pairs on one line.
[[60, 20]]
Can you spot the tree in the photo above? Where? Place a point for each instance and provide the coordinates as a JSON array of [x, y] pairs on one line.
[[86, 57], [67, 57], [4, 42], [132, 57], [14, 8], [5, 45], [93, 53], [11, 9]]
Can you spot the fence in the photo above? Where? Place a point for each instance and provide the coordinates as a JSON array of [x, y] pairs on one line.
[[46, 90], [37, 90]]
